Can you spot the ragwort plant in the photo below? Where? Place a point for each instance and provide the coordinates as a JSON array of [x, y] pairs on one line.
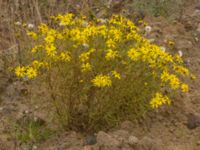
[[101, 72]]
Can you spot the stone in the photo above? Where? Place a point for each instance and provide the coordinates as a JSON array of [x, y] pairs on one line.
[[90, 140], [147, 143], [196, 14], [197, 6], [132, 140], [193, 120], [107, 142], [121, 135]]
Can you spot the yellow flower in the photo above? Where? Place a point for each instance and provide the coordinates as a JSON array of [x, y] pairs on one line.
[[159, 100], [181, 70], [193, 77], [65, 56], [116, 74], [178, 59], [171, 43], [43, 28], [50, 50], [36, 48], [49, 39], [110, 43], [171, 78], [92, 50], [20, 71], [81, 81], [32, 35], [184, 88], [65, 19], [86, 67], [165, 76], [84, 57], [133, 54], [36, 64], [174, 82], [31, 72], [111, 54], [102, 81], [114, 34]]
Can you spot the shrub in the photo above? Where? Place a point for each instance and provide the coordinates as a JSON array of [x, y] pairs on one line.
[[101, 72]]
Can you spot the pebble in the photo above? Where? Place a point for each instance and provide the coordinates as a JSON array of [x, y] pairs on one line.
[[1, 108], [132, 140], [180, 53], [193, 121], [197, 6], [90, 140], [34, 147]]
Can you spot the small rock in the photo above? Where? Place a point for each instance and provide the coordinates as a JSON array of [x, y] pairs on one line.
[[197, 6], [121, 135], [193, 121], [187, 61], [36, 107], [107, 141], [90, 140], [180, 53], [132, 140], [34, 147], [26, 111], [196, 14], [149, 144], [1, 109]]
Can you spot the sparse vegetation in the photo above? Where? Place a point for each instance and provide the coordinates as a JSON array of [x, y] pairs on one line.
[[31, 130]]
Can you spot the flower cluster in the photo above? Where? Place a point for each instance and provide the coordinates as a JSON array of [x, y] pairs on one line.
[[102, 81], [99, 48], [27, 72], [159, 100]]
